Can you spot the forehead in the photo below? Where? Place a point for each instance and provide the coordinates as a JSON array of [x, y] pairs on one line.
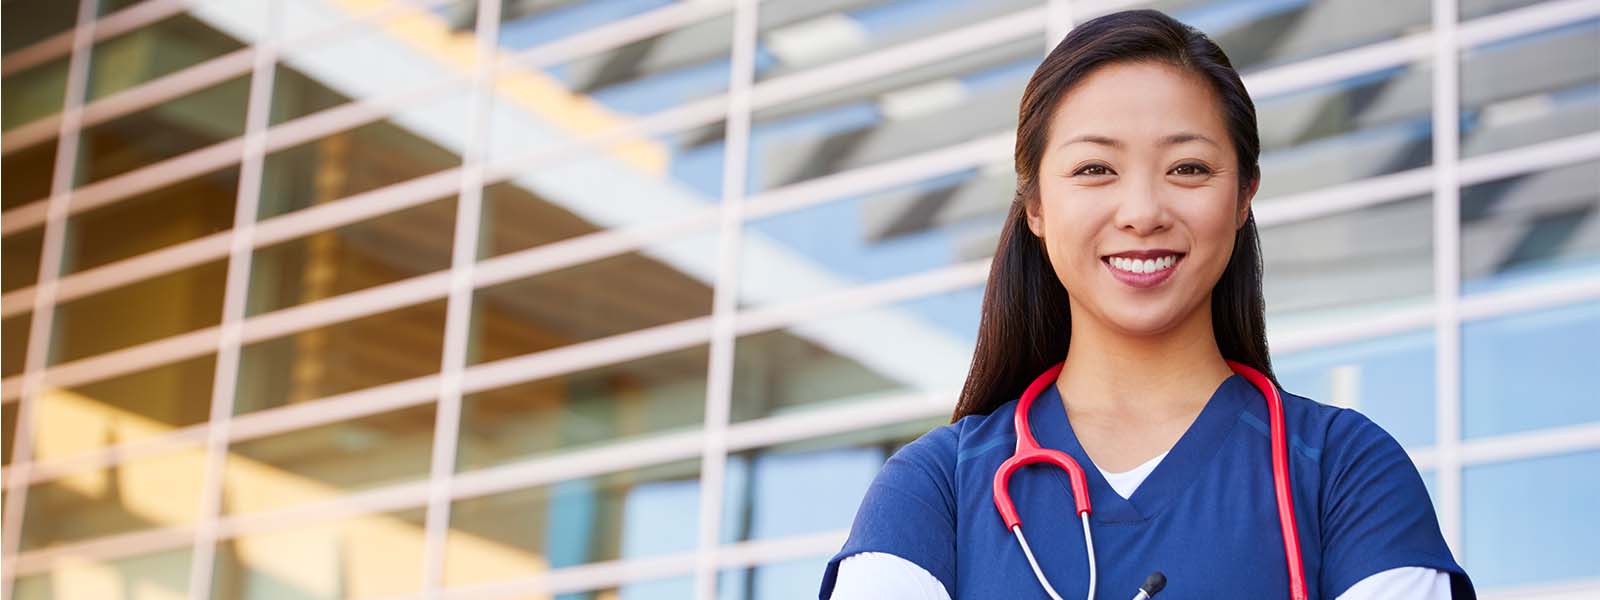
[[1139, 102]]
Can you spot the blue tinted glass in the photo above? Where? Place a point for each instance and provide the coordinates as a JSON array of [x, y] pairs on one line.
[[1390, 380], [1530, 228], [1530, 371], [788, 579], [1532, 521]]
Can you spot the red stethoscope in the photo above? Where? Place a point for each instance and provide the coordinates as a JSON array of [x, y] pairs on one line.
[[1029, 452]]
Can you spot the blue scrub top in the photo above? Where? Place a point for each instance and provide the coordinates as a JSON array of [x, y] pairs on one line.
[[1206, 517]]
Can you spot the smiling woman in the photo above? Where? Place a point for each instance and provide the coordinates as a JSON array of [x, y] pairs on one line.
[[1129, 273]]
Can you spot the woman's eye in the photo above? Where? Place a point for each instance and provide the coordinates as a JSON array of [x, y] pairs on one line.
[[1092, 170], [1190, 169]]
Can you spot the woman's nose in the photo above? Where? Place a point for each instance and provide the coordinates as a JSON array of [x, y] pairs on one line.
[[1142, 211]]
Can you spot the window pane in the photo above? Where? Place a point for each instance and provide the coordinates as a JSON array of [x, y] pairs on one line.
[[395, 48], [166, 130], [633, 514], [28, 22], [772, 580], [1364, 126], [1535, 88], [144, 405], [417, 141], [1266, 34], [915, 346], [33, 93], [1472, 9], [524, 25], [812, 486], [381, 250], [640, 180], [135, 495], [164, 217], [796, 35], [1349, 263], [595, 299], [1528, 371], [1390, 380], [328, 461], [8, 428], [369, 556], [661, 393], [159, 576], [640, 78], [27, 173], [939, 222], [909, 112], [1530, 228], [14, 332], [144, 311], [1527, 521], [384, 348], [20, 254], [154, 50]]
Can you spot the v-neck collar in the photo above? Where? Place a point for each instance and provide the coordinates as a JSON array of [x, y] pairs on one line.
[[1193, 450]]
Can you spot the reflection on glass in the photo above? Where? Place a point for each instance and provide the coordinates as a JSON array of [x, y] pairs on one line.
[[1530, 228], [155, 50], [914, 346], [417, 141], [381, 250], [796, 34], [396, 47], [8, 428], [672, 587], [33, 93], [1472, 9], [384, 348], [633, 514], [1535, 88], [20, 254], [1390, 380], [811, 486], [940, 222], [163, 131], [770, 581], [14, 343], [643, 179], [160, 576], [164, 217], [1356, 261], [328, 461], [1265, 34], [640, 78], [902, 114], [144, 311], [1528, 371], [1368, 125], [143, 405], [26, 173], [134, 495], [515, 218], [28, 22], [661, 284], [660, 393], [1527, 521], [369, 556]]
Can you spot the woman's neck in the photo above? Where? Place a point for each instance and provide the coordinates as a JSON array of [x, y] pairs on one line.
[[1114, 375]]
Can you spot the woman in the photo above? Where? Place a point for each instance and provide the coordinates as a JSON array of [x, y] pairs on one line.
[[1131, 253]]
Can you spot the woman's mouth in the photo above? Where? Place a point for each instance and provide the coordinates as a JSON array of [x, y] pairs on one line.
[[1142, 268]]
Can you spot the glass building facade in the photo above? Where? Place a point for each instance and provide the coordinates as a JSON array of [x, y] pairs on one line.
[[630, 299]]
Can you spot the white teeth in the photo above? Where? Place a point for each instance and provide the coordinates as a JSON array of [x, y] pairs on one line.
[[1134, 265]]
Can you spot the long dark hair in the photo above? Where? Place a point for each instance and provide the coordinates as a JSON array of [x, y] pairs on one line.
[[1026, 325]]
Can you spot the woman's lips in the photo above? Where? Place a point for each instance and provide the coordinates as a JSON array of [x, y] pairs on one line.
[[1142, 269]]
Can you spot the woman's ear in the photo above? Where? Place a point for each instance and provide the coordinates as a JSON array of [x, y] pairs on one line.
[[1245, 196], [1034, 218]]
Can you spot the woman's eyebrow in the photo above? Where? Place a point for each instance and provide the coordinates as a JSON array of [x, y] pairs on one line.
[[1171, 140]]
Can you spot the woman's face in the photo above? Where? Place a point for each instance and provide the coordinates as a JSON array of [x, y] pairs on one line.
[[1139, 196]]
